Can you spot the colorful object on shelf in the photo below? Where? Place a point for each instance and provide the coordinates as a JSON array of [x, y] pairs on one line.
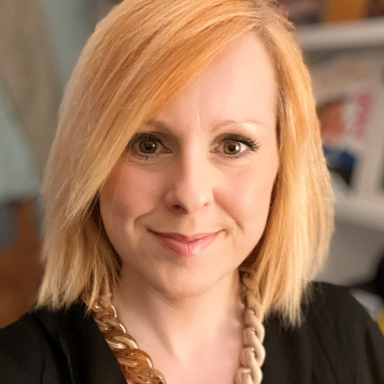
[[341, 10], [376, 8], [347, 88], [381, 321], [316, 11], [304, 11]]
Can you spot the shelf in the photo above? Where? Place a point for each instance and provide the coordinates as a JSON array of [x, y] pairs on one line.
[[342, 35], [362, 212], [366, 33]]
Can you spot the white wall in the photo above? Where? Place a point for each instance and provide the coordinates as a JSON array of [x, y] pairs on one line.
[[354, 254]]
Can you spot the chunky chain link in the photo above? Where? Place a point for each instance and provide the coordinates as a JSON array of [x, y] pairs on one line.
[[137, 366]]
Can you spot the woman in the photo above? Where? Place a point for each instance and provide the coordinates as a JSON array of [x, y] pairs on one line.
[[187, 204]]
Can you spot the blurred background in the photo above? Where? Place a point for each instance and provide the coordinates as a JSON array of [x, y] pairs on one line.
[[343, 46]]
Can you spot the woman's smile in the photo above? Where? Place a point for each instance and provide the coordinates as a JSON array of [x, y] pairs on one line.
[[186, 246]]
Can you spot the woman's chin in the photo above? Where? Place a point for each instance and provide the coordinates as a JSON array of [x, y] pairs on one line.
[[185, 280], [184, 286], [177, 289]]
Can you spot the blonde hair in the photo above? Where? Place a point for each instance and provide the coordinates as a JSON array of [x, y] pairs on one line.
[[139, 57]]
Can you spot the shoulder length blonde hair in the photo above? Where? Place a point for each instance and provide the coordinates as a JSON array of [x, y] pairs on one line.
[[138, 58]]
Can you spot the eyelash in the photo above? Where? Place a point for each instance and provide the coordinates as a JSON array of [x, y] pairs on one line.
[[251, 144]]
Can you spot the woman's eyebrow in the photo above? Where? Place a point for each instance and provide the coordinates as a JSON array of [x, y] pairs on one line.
[[242, 122], [161, 125], [158, 124]]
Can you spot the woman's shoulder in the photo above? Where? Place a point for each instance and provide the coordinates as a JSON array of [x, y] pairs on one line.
[[21, 351], [344, 333], [332, 310], [328, 307], [337, 342], [43, 323], [29, 347], [55, 347], [328, 301]]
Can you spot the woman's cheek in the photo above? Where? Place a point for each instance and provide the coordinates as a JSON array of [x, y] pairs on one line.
[[246, 194]]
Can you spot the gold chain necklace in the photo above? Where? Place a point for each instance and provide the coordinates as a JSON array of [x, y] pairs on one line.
[[136, 365]]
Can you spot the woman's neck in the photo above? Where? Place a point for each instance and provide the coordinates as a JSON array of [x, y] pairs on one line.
[[179, 326]]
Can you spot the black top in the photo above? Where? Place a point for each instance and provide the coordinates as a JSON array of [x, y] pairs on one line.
[[338, 343]]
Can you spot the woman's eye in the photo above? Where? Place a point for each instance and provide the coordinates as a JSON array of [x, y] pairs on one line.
[[148, 146], [232, 147], [237, 146]]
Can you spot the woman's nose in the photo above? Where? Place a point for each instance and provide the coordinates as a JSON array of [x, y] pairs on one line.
[[190, 185]]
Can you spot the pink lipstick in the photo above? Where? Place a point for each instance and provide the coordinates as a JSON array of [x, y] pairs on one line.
[[186, 246]]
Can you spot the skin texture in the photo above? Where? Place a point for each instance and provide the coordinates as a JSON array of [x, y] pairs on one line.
[[179, 308]]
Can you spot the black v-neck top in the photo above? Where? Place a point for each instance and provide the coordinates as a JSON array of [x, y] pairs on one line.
[[337, 343]]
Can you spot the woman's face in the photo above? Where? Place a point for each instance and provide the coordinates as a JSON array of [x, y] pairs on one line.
[[203, 167]]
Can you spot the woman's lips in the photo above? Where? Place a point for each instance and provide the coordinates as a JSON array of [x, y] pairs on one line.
[[186, 246]]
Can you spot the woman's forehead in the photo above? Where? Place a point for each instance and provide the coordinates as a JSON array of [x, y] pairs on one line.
[[237, 86]]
